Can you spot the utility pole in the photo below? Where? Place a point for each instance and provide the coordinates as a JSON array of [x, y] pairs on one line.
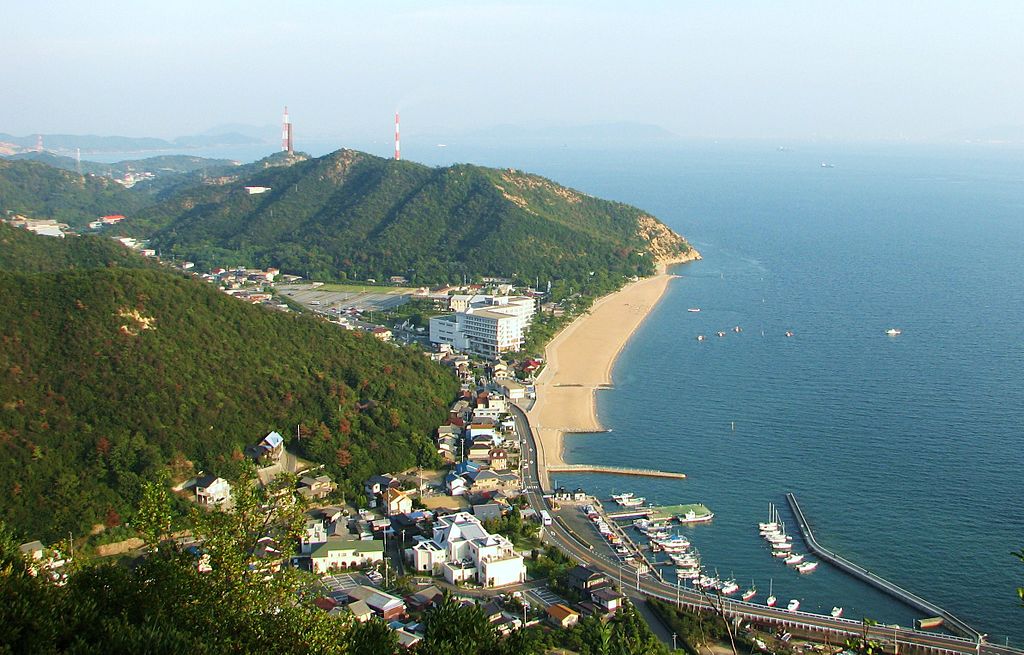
[[71, 543], [673, 641]]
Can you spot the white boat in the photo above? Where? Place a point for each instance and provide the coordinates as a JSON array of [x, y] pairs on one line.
[[789, 333], [794, 559], [793, 606], [807, 567], [632, 502], [730, 587], [700, 337], [894, 332], [737, 329], [781, 554], [771, 600], [837, 612], [720, 333], [687, 573], [750, 593], [691, 517], [785, 545], [621, 497], [693, 309]]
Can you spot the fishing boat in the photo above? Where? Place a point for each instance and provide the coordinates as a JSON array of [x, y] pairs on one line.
[[837, 612], [700, 337], [793, 606], [684, 573], [807, 567], [737, 329], [789, 333], [692, 517], [771, 600], [750, 593], [618, 498], [894, 332], [730, 587], [781, 554], [794, 559], [633, 502], [693, 309], [720, 333]]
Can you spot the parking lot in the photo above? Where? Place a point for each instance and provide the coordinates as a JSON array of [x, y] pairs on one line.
[[544, 597], [322, 300], [342, 582]]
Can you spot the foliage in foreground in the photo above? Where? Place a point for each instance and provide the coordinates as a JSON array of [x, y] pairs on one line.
[[162, 603]]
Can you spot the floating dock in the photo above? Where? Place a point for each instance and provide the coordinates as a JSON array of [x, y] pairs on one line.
[[661, 513], [613, 470], [953, 623]]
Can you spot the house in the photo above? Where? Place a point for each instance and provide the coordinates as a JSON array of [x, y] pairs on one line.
[[360, 611], [488, 511], [461, 549], [406, 639], [424, 599], [456, 485], [585, 579], [492, 480], [378, 483], [498, 459], [382, 333], [383, 604], [607, 599], [395, 502], [255, 190], [492, 610], [563, 616], [318, 487], [338, 552], [513, 390], [270, 448], [211, 490], [32, 550]]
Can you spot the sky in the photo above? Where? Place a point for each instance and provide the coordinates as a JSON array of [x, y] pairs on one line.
[[857, 70]]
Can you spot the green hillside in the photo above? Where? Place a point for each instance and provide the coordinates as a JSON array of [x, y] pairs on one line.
[[108, 375], [160, 165], [349, 215], [38, 190], [24, 252]]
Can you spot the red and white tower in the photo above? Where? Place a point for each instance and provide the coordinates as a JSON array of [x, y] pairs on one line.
[[398, 147], [286, 132]]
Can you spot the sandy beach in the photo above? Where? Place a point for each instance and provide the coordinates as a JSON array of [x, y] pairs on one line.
[[580, 360]]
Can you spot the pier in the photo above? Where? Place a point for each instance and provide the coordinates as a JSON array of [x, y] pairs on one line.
[[613, 470], [663, 513], [955, 624]]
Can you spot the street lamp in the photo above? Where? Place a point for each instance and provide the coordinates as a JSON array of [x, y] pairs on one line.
[[673, 641]]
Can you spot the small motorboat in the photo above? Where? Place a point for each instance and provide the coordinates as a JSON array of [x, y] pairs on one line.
[[837, 612], [793, 606]]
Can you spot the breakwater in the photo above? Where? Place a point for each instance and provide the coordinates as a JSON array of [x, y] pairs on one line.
[[949, 620]]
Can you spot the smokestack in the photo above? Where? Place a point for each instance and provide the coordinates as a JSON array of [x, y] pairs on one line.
[[286, 132], [398, 147]]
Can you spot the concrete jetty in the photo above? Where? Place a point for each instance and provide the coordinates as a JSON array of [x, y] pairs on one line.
[[950, 621], [613, 470]]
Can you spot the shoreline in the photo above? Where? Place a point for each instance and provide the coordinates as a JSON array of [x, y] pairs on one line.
[[580, 358]]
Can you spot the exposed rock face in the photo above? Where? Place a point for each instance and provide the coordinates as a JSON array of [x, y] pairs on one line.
[[664, 245]]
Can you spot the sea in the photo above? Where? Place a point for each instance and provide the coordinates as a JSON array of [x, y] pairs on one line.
[[906, 453]]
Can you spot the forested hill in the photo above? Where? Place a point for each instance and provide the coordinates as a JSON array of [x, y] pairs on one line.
[[109, 375], [24, 252], [349, 215], [38, 190]]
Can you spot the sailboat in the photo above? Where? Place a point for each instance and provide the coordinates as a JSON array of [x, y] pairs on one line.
[[770, 602], [750, 593]]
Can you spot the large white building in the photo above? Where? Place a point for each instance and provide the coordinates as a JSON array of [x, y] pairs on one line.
[[463, 550], [485, 325]]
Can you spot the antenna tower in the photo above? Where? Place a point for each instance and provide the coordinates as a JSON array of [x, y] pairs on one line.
[[39, 143], [398, 148]]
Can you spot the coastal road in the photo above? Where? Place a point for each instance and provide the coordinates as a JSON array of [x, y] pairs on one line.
[[647, 585]]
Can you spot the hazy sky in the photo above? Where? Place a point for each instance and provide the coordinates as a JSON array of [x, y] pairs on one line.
[[817, 69]]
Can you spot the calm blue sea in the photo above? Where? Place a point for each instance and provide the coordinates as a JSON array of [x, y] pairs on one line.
[[906, 453]]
